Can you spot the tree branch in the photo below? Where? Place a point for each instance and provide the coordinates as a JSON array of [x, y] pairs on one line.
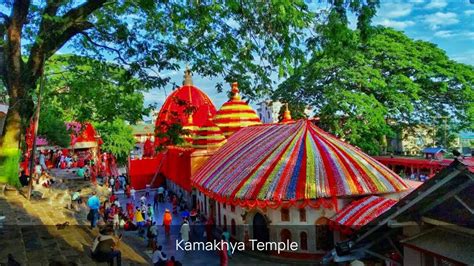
[[116, 51], [53, 35]]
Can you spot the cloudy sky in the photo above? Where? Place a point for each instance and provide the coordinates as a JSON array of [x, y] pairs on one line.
[[447, 23]]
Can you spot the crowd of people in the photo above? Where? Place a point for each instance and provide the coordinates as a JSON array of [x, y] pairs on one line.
[[137, 215]]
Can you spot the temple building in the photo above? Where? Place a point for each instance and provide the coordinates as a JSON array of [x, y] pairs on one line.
[[271, 182]]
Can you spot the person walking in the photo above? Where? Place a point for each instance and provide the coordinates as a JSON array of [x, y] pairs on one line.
[[132, 193], [184, 231], [167, 219], [93, 203], [161, 191]]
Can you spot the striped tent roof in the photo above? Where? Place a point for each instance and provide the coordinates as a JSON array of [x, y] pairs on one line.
[[280, 163], [361, 212], [235, 114], [209, 136]]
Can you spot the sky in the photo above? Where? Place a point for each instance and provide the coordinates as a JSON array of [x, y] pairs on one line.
[[447, 23]]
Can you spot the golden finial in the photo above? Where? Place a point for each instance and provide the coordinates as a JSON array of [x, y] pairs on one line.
[[235, 91], [190, 119], [188, 81], [286, 114]]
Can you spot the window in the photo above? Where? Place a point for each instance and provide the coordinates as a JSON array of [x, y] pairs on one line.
[[219, 213], [285, 235], [303, 215], [304, 241], [205, 205], [232, 208], [224, 206], [285, 215], [233, 229], [225, 222]]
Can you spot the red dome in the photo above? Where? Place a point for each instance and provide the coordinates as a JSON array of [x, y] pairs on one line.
[[187, 96]]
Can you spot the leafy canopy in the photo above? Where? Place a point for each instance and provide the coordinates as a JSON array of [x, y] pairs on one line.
[[118, 138], [357, 86]]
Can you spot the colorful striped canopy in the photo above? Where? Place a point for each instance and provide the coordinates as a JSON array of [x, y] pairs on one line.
[[291, 162], [235, 114], [209, 136], [361, 212]]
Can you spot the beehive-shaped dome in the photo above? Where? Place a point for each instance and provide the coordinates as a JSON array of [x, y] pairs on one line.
[[235, 114], [209, 137], [186, 100]]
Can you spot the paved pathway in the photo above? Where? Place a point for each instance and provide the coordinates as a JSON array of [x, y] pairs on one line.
[[29, 233]]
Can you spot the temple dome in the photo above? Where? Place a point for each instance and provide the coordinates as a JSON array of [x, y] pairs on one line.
[[235, 114], [209, 136], [186, 100], [294, 163]]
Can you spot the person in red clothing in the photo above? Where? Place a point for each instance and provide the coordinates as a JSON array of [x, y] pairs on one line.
[[167, 219], [130, 210], [224, 258], [209, 228], [127, 191]]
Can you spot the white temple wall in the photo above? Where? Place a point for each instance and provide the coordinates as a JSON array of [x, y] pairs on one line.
[[296, 224]]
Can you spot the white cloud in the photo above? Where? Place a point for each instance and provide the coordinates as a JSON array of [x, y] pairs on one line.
[[436, 4], [417, 1], [469, 12], [395, 10], [441, 19], [444, 34], [462, 35], [396, 24]]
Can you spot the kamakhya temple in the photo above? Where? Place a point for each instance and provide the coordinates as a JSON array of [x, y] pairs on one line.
[[271, 182]]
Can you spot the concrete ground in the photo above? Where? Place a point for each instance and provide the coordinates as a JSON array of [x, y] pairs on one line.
[[29, 232]]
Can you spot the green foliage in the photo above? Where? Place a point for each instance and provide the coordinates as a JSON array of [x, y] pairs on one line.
[[9, 167], [118, 138], [171, 132], [52, 126], [296, 109], [84, 89], [388, 78]]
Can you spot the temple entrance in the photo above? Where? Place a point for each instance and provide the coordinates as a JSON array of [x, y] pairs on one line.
[[260, 228]]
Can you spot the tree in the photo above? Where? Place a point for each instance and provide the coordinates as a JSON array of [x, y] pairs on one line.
[[237, 40], [84, 89], [297, 110], [53, 127], [358, 86], [118, 139]]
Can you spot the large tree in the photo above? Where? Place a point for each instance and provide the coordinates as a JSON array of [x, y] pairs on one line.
[[360, 87], [239, 40]]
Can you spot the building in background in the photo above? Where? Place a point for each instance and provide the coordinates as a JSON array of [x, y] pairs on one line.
[[3, 116], [411, 141], [268, 111], [466, 143], [143, 131]]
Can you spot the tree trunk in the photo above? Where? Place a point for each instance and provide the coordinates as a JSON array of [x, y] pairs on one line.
[[9, 145]]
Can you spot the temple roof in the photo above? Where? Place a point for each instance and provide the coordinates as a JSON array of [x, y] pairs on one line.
[[209, 136], [235, 114], [291, 162], [178, 105]]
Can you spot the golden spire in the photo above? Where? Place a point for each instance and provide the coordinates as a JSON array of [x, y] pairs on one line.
[[235, 92], [188, 81], [286, 114], [190, 119]]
